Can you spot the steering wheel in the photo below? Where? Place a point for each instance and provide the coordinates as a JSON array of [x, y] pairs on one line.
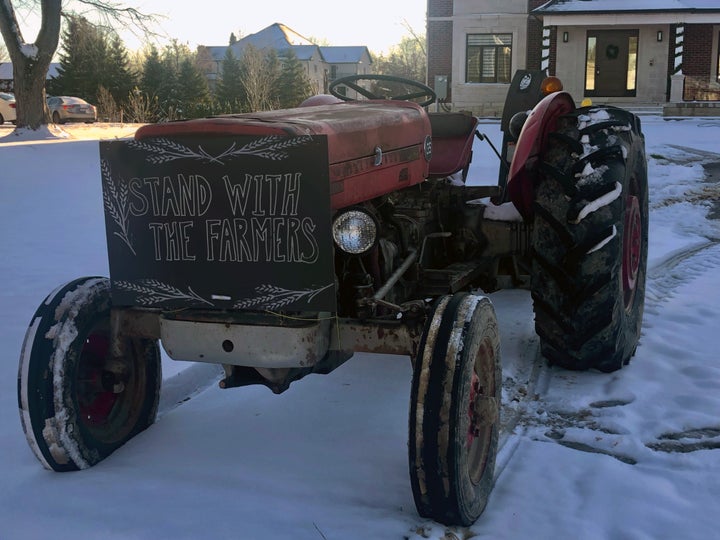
[[392, 87]]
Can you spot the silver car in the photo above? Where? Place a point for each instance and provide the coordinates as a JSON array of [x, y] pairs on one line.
[[7, 108], [71, 109]]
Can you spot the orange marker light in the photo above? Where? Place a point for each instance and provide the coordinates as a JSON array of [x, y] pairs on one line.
[[550, 85]]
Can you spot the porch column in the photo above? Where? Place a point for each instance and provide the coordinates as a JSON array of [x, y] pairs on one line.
[[545, 59], [677, 80]]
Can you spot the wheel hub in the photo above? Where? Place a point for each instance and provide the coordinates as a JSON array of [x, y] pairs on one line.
[[483, 410], [632, 247], [97, 387]]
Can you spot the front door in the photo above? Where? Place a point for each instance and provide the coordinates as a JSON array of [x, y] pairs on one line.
[[611, 63]]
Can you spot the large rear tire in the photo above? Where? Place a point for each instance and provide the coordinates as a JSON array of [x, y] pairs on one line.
[[454, 410], [77, 405], [590, 240]]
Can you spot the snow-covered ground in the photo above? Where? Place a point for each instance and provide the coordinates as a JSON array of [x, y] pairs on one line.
[[630, 455]]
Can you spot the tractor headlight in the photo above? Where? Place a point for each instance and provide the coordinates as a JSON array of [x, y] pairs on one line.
[[354, 231]]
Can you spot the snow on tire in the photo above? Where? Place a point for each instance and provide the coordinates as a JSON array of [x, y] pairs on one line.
[[454, 410], [77, 404], [590, 239]]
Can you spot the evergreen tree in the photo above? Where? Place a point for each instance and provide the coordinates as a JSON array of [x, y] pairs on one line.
[[119, 78], [229, 92], [293, 83], [82, 60], [168, 91], [153, 73], [233, 39], [192, 86]]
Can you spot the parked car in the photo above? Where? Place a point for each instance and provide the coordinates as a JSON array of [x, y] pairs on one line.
[[7, 108], [71, 109]]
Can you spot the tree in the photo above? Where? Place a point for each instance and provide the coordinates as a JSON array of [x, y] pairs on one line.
[[192, 87], [259, 76], [229, 91], [293, 84], [119, 76], [84, 62], [204, 60], [32, 60], [152, 73], [407, 59], [31, 63]]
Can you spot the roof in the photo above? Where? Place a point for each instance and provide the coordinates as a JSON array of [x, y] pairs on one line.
[[6, 71], [345, 55], [281, 38], [558, 7], [276, 36], [306, 52]]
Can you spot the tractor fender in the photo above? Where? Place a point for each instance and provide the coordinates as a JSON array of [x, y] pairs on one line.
[[541, 121]]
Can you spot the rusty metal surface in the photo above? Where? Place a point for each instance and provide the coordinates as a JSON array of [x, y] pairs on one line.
[[377, 337]]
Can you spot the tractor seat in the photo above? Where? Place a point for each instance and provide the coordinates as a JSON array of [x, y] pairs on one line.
[[452, 140]]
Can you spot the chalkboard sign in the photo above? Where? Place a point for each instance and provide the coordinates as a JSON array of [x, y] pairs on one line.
[[239, 222]]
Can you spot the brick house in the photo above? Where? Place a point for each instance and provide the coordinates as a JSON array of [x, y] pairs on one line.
[[612, 51]]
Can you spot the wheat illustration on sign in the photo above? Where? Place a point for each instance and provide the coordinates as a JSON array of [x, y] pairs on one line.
[[274, 148], [274, 297], [117, 205], [152, 291]]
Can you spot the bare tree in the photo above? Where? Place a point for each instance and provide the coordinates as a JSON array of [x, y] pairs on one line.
[[32, 60], [260, 73]]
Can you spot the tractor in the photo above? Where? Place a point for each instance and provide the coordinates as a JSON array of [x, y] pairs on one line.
[[278, 243]]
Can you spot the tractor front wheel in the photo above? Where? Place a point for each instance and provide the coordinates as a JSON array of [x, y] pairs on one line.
[[78, 403], [455, 409]]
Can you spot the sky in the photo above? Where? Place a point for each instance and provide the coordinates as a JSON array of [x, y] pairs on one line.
[[630, 455], [379, 24]]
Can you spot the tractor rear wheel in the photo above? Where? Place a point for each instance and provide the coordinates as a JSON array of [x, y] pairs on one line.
[[78, 404], [455, 409], [590, 240]]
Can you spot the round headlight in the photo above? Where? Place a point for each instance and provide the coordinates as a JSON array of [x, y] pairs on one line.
[[354, 231]]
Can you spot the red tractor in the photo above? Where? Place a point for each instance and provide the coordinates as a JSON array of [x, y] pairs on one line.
[[279, 243]]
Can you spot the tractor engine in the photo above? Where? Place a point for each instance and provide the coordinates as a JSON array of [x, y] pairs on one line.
[[413, 237]]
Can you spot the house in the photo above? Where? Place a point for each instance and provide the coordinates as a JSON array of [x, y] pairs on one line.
[[346, 61], [629, 52], [322, 64], [6, 75]]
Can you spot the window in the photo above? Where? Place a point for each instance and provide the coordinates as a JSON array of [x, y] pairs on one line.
[[632, 64], [488, 58], [717, 73], [590, 63]]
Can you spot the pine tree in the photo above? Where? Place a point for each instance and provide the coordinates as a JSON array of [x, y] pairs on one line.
[[82, 60], [229, 92], [152, 74], [119, 78], [192, 87], [293, 83]]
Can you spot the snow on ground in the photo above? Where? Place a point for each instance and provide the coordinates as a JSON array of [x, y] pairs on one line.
[[629, 455]]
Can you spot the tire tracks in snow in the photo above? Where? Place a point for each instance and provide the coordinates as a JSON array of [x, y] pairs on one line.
[[186, 384], [683, 267], [541, 417]]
